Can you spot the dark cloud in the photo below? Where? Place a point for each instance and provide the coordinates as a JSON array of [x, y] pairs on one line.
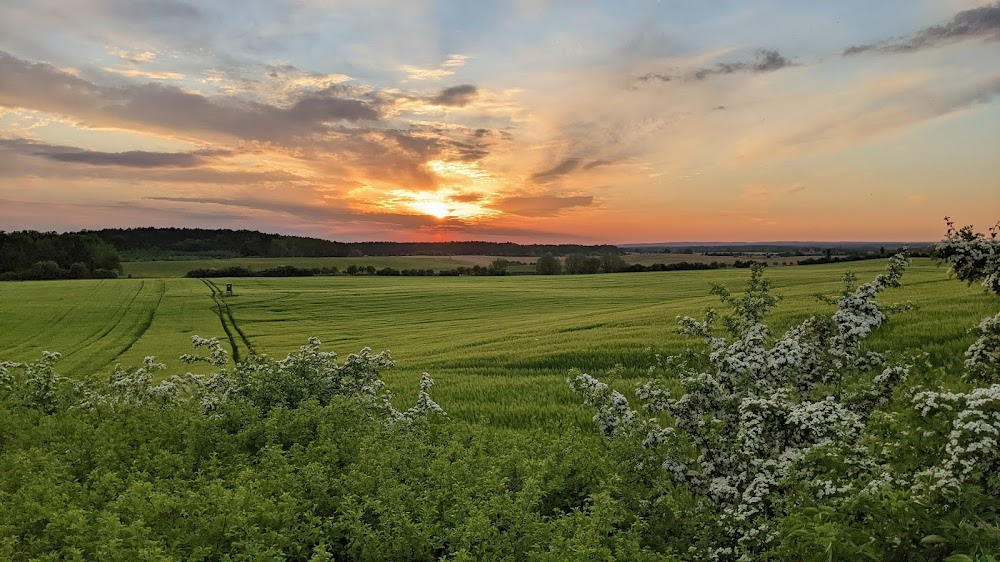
[[764, 60], [982, 22], [466, 197], [21, 157], [308, 213], [456, 96], [655, 76], [541, 205], [131, 159], [567, 166], [597, 164], [46, 88]]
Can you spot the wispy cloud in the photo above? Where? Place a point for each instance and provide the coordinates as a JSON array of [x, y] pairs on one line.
[[764, 60], [541, 205], [981, 22], [446, 69]]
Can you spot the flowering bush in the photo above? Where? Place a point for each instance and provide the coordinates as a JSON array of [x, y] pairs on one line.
[[775, 444], [309, 374]]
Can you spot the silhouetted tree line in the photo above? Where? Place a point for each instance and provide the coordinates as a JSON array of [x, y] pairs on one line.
[[160, 243], [31, 255], [580, 264], [280, 271], [784, 250], [497, 267]]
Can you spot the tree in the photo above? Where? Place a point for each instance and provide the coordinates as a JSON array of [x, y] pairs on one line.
[[79, 270], [548, 264], [612, 263], [499, 266]]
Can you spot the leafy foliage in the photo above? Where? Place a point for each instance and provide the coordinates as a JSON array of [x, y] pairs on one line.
[[810, 445]]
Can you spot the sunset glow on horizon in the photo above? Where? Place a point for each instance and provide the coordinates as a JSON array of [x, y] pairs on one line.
[[525, 121]]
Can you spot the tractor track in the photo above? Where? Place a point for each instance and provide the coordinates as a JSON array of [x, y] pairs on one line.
[[224, 312]]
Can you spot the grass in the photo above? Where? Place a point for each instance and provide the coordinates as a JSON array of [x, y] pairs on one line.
[[498, 347]]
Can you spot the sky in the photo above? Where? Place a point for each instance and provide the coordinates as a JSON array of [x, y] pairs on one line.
[[525, 121]]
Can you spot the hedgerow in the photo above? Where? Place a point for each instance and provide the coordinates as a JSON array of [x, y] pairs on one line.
[[811, 445]]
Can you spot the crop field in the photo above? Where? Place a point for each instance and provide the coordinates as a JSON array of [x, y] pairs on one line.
[[499, 348]]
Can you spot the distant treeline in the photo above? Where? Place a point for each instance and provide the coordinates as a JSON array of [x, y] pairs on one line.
[[165, 243], [30, 255], [580, 264], [497, 267], [783, 250], [574, 264]]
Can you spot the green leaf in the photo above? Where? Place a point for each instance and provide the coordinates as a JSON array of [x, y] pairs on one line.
[[958, 558], [933, 539]]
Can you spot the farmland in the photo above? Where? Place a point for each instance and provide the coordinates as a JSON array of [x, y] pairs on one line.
[[498, 347]]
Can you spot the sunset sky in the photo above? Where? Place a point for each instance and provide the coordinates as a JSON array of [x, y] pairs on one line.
[[529, 121]]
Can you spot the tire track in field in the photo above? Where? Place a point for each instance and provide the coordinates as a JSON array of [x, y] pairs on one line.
[[232, 319], [216, 298], [120, 314], [146, 323]]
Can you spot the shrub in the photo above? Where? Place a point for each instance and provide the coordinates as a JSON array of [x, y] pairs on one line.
[[809, 445]]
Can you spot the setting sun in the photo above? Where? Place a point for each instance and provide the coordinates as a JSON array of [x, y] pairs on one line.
[[434, 208]]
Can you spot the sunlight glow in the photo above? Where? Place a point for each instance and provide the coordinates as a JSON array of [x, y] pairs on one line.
[[434, 208]]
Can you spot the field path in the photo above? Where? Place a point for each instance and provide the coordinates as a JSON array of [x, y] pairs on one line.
[[224, 312], [146, 322], [116, 318]]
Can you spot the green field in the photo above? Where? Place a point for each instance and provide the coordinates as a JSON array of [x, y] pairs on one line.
[[498, 347]]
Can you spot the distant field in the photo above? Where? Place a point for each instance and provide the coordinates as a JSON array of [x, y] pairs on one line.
[[499, 347], [178, 268], [649, 259]]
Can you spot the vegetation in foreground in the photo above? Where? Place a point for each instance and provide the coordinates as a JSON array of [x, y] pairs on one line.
[[298, 460]]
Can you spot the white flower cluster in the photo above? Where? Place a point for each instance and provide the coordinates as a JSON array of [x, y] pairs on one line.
[[309, 374], [762, 408], [972, 445], [972, 256], [982, 359]]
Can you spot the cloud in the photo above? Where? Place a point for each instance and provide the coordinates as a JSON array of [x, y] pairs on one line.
[[764, 60], [131, 159], [890, 113], [455, 96], [980, 22], [564, 167], [318, 213], [655, 76], [466, 197], [134, 57], [540, 205], [43, 87], [152, 75], [568, 166], [155, 9], [446, 69], [25, 158]]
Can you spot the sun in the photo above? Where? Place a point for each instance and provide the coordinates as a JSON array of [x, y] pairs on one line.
[[434, 208]]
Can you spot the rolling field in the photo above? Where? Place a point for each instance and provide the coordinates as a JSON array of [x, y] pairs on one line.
[[498, 347]]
